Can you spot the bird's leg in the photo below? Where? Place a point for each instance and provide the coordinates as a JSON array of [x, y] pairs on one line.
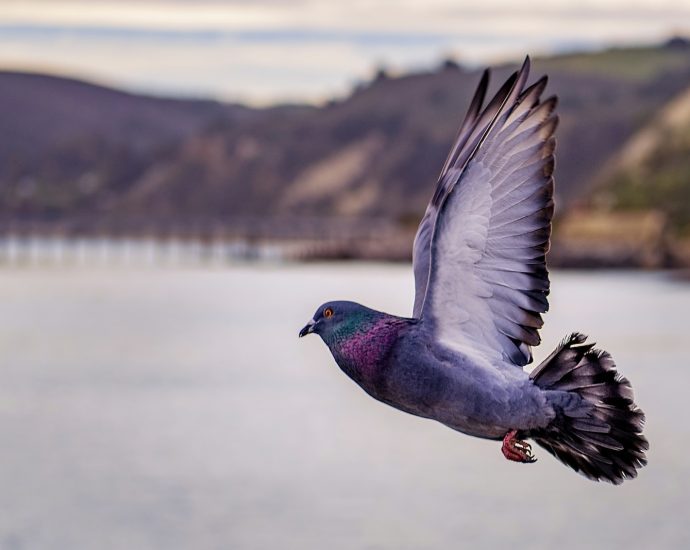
[[516, 449]]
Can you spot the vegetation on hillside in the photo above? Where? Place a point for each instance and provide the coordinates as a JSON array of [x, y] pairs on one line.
[[661, 183], [653, 172], [634, 64]]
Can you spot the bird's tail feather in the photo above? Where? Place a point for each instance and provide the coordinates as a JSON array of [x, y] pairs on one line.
[[598, 428]]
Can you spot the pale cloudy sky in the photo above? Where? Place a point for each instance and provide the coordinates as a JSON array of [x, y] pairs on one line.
[[271, 50]]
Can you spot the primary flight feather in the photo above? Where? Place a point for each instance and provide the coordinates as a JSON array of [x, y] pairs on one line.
[[481, 287]]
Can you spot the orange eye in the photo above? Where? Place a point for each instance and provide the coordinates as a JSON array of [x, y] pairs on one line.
[[328, 312]]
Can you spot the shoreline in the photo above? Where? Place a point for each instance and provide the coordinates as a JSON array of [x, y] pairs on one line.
[[148, 250]]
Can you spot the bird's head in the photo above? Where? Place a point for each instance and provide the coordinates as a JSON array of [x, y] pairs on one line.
[[335, 320]]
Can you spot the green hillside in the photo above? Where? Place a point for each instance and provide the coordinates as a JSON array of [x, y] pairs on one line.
[[633, 64], [652, 171]]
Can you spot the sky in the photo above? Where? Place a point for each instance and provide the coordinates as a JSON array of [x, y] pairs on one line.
[[266, 51]]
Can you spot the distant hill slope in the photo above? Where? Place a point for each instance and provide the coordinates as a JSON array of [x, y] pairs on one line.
[[74, 156], [67, 145], [652, 170]]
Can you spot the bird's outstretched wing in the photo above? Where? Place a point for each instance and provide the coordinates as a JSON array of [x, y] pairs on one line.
[[479, 253]]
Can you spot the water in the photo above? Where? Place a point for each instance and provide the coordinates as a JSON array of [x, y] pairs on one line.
[[151, 408]]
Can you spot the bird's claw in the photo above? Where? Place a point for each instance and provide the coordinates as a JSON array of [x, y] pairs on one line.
[[517, 450]]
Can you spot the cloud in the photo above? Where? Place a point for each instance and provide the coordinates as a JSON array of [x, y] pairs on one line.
[[382, 15], [268, 50]]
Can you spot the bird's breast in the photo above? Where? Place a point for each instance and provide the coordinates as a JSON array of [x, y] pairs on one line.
[[364, 355]]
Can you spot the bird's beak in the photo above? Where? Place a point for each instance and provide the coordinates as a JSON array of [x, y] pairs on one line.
[[308, 328]]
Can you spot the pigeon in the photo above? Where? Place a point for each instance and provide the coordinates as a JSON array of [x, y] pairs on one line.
[[481, 285]]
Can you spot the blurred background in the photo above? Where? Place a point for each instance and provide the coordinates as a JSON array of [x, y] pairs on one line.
[[182, 183]]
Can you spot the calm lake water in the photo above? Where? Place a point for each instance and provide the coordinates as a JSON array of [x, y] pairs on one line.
[[165, 409]]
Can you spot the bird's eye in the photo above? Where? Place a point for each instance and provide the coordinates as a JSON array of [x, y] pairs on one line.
[[328, 312]]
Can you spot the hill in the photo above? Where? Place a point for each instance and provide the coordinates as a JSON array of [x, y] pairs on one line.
[[651, 176], [652, 171], [79, 157]]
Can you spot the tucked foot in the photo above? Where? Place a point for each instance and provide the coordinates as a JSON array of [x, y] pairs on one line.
[[516, 449]]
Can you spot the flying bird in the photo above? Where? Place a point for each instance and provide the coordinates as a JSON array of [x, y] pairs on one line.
[[481, 287]]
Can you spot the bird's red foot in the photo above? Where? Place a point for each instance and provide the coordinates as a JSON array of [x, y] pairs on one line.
[[516, 449]]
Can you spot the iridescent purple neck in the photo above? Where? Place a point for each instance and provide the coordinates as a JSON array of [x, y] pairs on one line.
[[361, 352]]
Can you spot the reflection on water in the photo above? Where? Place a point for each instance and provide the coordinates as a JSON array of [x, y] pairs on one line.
[[178, 409]]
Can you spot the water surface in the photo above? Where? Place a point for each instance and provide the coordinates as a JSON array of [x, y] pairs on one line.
[[152, 408]]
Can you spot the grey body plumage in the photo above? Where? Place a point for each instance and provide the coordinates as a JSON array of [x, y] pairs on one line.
[[481, 287], [436, 382]]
